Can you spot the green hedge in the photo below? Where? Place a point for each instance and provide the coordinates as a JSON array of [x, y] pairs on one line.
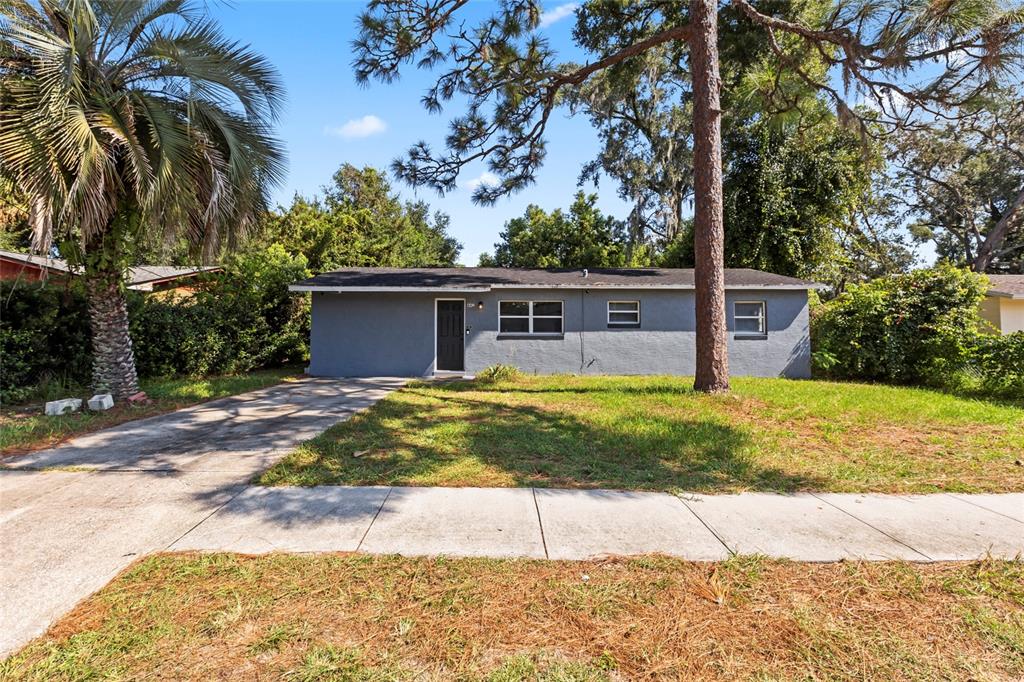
[[240, 320], [44, 338], [917, 328]]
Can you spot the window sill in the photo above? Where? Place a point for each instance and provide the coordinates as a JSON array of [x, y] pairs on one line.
[[624, 325], [750, 337], [532, 337]]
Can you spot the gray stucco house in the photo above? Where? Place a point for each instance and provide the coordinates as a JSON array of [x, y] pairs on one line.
[[426, 321]]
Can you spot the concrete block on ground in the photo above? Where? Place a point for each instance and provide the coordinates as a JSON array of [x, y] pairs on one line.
[[495, 522], [942, 527], [260, 520], [798, 526], [583, 524], [59, 407], [101, 402]]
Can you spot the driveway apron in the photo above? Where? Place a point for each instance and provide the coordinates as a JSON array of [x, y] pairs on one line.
[[74, 516]]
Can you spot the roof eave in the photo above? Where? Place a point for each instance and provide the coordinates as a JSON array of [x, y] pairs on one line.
[[300, 288], [356, 290]]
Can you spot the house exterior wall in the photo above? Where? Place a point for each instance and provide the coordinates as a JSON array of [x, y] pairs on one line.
[[1001, 314], [1011, 314], [989, 310], [366, 334], [23, 271]]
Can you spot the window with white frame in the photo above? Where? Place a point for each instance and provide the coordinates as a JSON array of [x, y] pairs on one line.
[[623, 313], [749, 318], [530, 317]]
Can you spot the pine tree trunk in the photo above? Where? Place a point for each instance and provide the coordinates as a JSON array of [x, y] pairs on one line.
[[113, 361], [712, 373]]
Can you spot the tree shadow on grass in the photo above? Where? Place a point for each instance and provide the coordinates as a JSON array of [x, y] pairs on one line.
[[454, 439]]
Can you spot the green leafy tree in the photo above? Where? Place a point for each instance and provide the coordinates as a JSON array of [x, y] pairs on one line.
[[362, 222], [511, 81], [120, 118], [962, 184], [791, 201], [582, 238]]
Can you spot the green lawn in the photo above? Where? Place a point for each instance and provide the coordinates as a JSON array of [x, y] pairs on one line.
[[655, 433], [25, 427], [358, 617]]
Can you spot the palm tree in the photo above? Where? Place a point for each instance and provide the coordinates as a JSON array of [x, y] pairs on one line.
[[121, 118]]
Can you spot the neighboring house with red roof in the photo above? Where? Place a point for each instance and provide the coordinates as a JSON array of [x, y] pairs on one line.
[[1003, 305], [32, 268]]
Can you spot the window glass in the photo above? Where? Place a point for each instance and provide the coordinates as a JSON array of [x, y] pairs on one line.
[[547, 325], [748, 325], [514, 325], [530, 317], [749, 317], [623, 312], [748, 309], [515, 308], [547, 308]]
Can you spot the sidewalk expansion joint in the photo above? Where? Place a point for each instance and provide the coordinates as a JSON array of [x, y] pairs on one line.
[[540, 523], [704, 523], [374, 519], [874, 528], [241, 489], [981, 506]]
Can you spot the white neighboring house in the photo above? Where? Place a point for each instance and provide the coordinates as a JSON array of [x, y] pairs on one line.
[[1003, 305]]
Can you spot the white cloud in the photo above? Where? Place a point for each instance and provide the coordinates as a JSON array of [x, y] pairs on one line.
[[556, 14], [486, 178], [359, 127]]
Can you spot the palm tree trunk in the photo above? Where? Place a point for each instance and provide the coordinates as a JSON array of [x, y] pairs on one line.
[[712, 373], [113, 361]]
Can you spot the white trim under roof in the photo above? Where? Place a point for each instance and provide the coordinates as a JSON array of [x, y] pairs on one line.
[[1004, 294], [466, 290], [340, 289]]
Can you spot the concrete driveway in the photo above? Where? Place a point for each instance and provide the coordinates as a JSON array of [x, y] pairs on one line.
[[74, 516]]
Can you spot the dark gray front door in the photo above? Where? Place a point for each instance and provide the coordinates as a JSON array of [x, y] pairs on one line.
[[451, 335]]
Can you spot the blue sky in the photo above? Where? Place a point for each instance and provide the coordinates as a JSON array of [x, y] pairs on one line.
[[330, 120]]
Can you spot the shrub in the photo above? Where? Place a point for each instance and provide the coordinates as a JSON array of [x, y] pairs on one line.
[[998, 364], [244, 319], [499, 373], [915, 328], [44, 337], [240, 320]]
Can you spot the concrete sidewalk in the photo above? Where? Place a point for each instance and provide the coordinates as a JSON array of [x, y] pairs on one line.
[[580, 524]]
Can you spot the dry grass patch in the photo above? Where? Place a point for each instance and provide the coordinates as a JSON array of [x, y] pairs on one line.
[[357, 617], [654, 433]]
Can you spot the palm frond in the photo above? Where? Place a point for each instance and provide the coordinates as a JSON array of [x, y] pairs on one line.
[[109, 106]]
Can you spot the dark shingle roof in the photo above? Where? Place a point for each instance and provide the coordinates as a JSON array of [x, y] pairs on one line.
[[1007, 286], [488, 278]]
